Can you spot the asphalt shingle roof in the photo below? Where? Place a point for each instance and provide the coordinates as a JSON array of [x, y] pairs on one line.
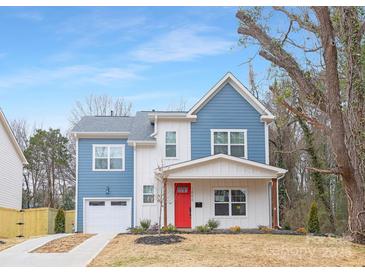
[[139, 127]]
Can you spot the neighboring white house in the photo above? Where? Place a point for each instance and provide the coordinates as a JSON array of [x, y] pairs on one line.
[[11, 167]]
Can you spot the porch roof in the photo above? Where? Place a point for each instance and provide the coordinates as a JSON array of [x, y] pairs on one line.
[[221, 166]]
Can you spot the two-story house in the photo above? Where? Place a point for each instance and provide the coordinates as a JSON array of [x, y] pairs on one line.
[[11, 167], [211, 162]]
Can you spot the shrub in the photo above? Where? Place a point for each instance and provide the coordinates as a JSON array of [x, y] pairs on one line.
[[265, 229], [154, 227], [59, 226], [202, 228], [286, 226], [235, 229], [145, 224], [313, 222], [301, 230], [170, 228], [136, 230], [213, 224]]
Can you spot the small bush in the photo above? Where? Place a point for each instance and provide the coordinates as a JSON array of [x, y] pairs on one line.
[[235, 229], [301, 230], [153, 228], [213, 224], [202, 228], [286, 226], [145, 224], [60, 222], [265, 229], [171, 228], [136, 230], [313, 222]]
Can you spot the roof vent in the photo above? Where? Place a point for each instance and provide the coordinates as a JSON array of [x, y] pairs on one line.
[[153, 110], [111, 113]]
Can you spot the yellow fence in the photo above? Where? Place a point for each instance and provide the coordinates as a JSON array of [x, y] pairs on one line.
[[31, 222]]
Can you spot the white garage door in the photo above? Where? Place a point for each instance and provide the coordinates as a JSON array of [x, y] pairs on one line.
[[109, 215]]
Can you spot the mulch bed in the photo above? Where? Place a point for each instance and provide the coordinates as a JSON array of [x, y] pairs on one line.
[[225, 231], [162, 240], [64, 244]]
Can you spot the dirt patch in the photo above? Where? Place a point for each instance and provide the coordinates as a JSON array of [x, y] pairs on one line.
[[64, 244], [233, 250], [6, 243], [162, 240]]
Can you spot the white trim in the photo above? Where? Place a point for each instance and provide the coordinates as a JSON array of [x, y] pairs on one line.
[[165, 144], [101, 134], [12, 138], [100, 198], [267, 154], [154, 133], [230, 202], [134, 185], [77, 182], [154, 195], [171, 115], [135, 142], [231, 79], [108, 157], [278, 171], [229, 140]]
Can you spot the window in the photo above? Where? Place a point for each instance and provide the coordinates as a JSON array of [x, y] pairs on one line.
[[108, 157], [229, 141], [96, 203], [118, 203], [148, 194], [170, 144], [230, 202]]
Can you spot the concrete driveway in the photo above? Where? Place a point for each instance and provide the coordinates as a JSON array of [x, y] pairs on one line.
[[80, 256]]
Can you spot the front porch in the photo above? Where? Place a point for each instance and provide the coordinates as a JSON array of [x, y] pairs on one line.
[[235, 191]]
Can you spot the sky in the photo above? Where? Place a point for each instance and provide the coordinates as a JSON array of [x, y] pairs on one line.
[[154, 57]]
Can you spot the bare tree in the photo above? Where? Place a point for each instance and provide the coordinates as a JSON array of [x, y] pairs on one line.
[[181, 105], [161, 198], [100, 105], [331, 80]]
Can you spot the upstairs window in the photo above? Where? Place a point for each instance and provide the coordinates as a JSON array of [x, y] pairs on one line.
[[108, 157], [170, 144], [229, 141]]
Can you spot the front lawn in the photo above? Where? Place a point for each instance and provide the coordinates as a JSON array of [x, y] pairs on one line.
[[233, 250]]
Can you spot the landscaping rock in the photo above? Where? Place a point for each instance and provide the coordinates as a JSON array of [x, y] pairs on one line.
[[2, 243], [162, 240]]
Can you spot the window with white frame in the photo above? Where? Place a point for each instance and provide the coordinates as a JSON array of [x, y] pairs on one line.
[[229, 141], [148, 194], [170, 144], [108, 157], [230, 202]]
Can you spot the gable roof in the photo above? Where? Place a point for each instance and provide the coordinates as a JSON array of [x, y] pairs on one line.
[[266, 115], [12, 138], [241, 168]]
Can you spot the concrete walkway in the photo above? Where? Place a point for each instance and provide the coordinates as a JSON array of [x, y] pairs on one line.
[[79, 256]]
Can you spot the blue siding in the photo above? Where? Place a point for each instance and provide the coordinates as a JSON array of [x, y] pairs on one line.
[[93, 183], [229, 110]]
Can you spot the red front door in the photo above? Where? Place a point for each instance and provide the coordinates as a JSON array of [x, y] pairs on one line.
[[183, 205]]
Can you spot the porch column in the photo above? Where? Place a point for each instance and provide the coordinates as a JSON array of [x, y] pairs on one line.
[[165, 202], [274, 200]]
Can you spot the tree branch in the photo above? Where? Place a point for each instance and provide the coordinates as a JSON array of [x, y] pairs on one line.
[[325, 171], [272, 51], [302, 22]]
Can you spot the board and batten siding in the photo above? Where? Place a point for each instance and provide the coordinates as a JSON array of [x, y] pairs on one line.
[[148, 158], [228, 110], [94, 183], [202, 190], [11, 173]]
